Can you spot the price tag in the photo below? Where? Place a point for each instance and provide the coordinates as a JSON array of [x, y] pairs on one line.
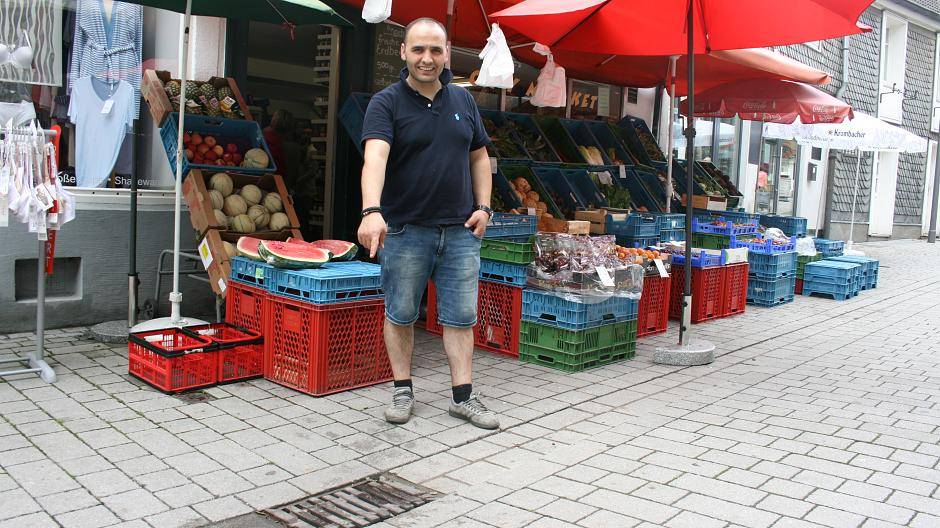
[[227, 104], [108, 105], [532, 211], [605, 277], [5, 179], [4, 210], [222, 285], [43, 198], [259, 273], [493, 165], [205, 253], [661, 268]]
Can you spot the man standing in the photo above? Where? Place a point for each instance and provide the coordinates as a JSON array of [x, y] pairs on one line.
[[426, 186]]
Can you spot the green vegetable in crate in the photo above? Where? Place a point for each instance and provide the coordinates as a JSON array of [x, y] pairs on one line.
[[708, 185], [497, 203], [617, 197], [650, 145], [534, 144], [502, 140]]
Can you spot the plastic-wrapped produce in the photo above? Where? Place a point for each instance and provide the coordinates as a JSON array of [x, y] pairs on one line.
[[584, 266]]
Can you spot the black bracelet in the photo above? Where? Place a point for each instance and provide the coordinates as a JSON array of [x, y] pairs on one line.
[[369, 210]]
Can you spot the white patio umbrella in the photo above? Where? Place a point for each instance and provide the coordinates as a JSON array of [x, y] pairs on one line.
[[864, 133]]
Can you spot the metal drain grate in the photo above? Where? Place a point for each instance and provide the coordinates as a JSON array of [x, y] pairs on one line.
[[196, 396], [356, 505]]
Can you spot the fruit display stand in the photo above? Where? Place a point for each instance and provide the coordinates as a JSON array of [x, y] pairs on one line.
[[505, 143], [730, 190], [610, 143], [533, 138], [588, 145], [640, 140], [153, 87], [201, 209]]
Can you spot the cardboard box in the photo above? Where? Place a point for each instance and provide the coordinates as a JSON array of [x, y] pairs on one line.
[[698, 202], [216, 260], [196, 194], [572, 227], [596, 217], [152, 88]]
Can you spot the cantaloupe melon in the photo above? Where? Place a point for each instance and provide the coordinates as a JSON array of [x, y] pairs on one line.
[[251, 194], [234, 205], [221, 182], [217, 199], [220, 218], [256, 158], [272, 202], [278, 221], [243, 224], [260, 216]]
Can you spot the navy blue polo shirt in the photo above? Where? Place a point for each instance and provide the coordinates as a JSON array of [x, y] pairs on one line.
[[427, 178]]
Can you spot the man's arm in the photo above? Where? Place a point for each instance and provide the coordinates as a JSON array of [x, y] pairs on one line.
[[372, 229], [482, 180]]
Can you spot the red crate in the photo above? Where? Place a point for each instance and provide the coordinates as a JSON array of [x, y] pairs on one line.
[[321, 349], [799, 287], [653, 315], [172, 360], [244, 306], [240, 351], [735, 289], [499, 316], [707, 287]]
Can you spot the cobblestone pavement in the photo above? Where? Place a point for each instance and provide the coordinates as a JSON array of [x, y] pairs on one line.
[[816, 413]]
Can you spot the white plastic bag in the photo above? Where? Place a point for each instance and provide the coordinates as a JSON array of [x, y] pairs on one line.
[[376, 11], [551, 89], [806, 247], [497, 68]]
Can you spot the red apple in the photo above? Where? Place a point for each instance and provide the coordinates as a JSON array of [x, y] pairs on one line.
[[211, 155], [227, 157], [231, 147], [196, 139], [218, 150], [199, 160], [237, 158], [203, 148], [186, 137], [189, 154], [209, 140]]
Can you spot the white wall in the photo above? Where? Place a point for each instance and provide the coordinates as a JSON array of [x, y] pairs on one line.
[[646, 99], [811, 193]]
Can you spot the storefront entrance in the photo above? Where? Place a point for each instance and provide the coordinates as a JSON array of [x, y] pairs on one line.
[[776, 177]]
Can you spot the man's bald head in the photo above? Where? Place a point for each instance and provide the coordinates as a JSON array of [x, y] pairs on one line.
[[425, 21]]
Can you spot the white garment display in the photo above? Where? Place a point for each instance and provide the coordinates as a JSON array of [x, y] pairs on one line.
[[102, 114], [17, 113]]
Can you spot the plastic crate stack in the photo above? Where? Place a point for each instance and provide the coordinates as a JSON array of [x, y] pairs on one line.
[[772, 279], [653, 312], [793, 226], [829, 248], [572, 334], [322, 327], [801, 262], [869, 269], [832, 278], [634, 230], [720, 233], [505, 252], [671, 227]]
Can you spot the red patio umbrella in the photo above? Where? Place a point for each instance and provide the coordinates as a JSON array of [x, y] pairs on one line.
[[770, 101], [680, 27]]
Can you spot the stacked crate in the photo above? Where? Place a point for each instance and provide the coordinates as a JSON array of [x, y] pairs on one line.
[[708, 276], [707, 234], [634, 230], [572, 333], [829, 248], [772, 279], [671, 226], [505, 252], [869, 269], [840, 280], [801, 262], [790, 225]]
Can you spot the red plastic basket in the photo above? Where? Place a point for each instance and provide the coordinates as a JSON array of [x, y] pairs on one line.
[[653, 315], [322, 349], [172, 359], [244, 306], [799, 287], [735, 289], [707, 287], [240, 351], [499, 316]]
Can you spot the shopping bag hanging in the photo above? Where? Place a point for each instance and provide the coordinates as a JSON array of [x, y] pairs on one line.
[[551, 89], [375, 11], [498, 67]]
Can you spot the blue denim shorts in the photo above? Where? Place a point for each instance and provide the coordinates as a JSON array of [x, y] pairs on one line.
[[448, 255]]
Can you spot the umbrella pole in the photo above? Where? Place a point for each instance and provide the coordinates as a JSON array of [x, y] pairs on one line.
[[176, 298], [858, 168], [672, 106], [686, 321]]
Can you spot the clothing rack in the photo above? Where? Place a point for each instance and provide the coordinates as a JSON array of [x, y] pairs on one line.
[[35, 361]]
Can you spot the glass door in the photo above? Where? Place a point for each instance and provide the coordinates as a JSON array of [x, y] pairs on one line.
[[776, 176], [786, 177]]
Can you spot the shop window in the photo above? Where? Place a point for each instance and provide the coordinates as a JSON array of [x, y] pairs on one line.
[[893, 61], [727, 155]]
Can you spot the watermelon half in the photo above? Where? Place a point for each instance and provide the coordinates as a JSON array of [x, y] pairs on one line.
[[292, 255], [340, 249], [248, 247]]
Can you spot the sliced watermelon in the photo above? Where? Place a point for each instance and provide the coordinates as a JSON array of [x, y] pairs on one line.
[[340, 249], [248, 247], [292, 255]]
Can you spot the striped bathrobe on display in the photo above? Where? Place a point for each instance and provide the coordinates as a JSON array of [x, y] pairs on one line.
[[93, 55]]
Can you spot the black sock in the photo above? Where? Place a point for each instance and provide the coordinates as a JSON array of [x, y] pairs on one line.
[[404, 383], [462, 392]]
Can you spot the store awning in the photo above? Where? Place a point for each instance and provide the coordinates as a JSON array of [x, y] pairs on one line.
[[711, 69]]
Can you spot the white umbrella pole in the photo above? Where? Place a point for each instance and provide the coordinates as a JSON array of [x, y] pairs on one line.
[[176, 298], [858, 166], [672, 106]]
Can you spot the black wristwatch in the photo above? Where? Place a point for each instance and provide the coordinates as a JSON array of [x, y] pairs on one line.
[[485, 208], [369, 210]]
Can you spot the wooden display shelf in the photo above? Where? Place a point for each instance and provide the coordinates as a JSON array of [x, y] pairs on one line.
[[212, 250], [196, 194], [152, 88]]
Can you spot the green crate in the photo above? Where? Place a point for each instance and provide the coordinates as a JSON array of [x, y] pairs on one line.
[[577, 341], [803, 260], [712, 241], [577, 362], [514, 250]]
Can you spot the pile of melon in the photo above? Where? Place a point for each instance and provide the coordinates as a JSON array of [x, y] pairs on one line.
[[248, 209]]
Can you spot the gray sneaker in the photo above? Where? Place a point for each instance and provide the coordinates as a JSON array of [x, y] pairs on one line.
[[403, 400], [474, 412]]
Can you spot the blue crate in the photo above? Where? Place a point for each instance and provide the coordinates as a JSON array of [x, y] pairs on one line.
[[842, 272], [700, 259], [494, 271], [869, 265], [632, 225], [556, 185], [352, 114], [765, 246], [729, 229], [838, 292], [243, 133], [331, 283], [771, 266], [252, 272], [770, 292], [544, 308], [672, 235], [670, 221], [829, 248], [790, 225], [609, 140], [583, 137], [587, 192], [507, 224], [637, 242]]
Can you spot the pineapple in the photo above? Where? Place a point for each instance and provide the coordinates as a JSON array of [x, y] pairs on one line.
[[208, 91], [172, 88], [224, 92], [192, 89]]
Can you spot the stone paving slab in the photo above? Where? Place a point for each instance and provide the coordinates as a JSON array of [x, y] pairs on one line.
[[816, 413]]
